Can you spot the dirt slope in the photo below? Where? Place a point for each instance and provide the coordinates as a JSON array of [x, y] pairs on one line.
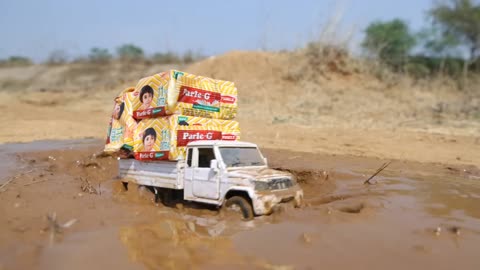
[[281, 87]]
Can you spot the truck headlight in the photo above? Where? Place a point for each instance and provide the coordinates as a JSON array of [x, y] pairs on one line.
[[260, 185], [293, 178], [274, 184]]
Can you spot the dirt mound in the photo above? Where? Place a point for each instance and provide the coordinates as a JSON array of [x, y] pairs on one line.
[[243, 66], [321, 65], [325, 87]]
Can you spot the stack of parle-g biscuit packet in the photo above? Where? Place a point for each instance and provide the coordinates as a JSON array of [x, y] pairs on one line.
[[171, 109], [122, 126]]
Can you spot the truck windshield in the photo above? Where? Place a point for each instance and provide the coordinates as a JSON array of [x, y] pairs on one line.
[[241, 156]]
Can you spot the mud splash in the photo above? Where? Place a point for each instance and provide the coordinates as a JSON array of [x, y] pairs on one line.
[[416, 216]]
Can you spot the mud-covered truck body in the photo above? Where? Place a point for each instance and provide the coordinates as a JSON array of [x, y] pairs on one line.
[[223, 173]]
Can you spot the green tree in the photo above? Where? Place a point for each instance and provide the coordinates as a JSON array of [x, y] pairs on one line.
[[390, 41], [460, 18], [130, 52], [438, 44], [99, 55]]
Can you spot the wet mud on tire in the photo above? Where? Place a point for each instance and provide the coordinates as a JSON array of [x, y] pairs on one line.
[[240, 205]]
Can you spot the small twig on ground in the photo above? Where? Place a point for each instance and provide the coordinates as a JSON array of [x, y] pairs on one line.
[[8, 182], [35, 182], [383, 167], [87, 186], [12, 179]]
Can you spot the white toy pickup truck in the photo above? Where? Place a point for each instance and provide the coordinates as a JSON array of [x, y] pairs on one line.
[[222, 173]]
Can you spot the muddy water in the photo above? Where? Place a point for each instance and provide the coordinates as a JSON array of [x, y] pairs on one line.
[[9, 153], [414, 216]]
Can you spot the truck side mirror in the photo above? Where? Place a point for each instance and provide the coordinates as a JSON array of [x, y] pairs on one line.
[[265, 160], [213, 164]]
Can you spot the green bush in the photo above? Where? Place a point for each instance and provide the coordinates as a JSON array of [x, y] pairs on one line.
[[446, 66], [417, 70], [16, 61], [130, 52], [166, 58], [190, 57], [99, 55], [57, 57]]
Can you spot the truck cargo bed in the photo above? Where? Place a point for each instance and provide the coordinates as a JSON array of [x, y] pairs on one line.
[[165, 174]]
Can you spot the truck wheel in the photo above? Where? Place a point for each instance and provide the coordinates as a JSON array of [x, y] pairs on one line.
[[162, 195], [167, 197], [240, 204]]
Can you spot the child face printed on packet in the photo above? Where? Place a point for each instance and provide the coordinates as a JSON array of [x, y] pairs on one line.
[[146, 97], [149, 138], [118, 110]]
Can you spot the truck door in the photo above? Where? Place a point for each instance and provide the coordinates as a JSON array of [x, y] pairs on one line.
[[205, 180], [188, 173]]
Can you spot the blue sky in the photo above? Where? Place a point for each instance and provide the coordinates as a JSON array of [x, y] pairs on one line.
[[36, 28]]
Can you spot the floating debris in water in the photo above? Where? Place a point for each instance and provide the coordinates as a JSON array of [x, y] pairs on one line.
[[55, 228]]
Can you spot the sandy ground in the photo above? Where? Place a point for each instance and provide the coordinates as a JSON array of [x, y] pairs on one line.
[[332, 112], [332, 130], [66, 119], [415, 216]]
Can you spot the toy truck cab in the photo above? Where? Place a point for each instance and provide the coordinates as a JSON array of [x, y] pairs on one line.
[[223, 173]]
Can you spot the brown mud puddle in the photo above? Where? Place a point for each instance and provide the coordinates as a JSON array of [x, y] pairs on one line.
[[415, 216]]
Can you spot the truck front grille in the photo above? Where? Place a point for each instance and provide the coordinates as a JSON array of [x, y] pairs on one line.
[[280, 183]]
